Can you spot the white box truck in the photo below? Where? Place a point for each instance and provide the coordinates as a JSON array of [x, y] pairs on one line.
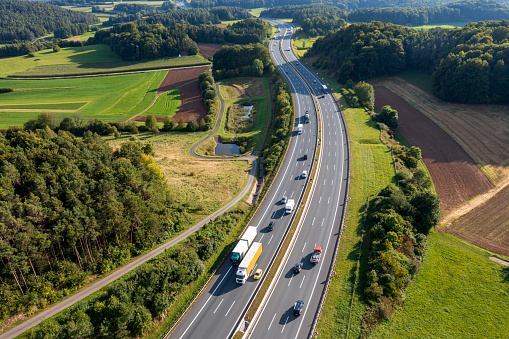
[[289, 206], [243, 245], [299, 128], [247, 264]]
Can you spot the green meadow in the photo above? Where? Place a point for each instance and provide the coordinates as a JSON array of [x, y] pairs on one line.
[[445, 25], [167, 104], [93, 59], [109, 98]]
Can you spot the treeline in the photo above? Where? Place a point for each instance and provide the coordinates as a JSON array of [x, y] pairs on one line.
[[143, 9], [249, 60], [27, 20], [27, 48], [321, 25], [69, 31], [454, 12], [72, 207], [136, 42], [230, 13], [299, 13], [282, 127], [192, 16], [130, 305], [208, 93], [469, 64]]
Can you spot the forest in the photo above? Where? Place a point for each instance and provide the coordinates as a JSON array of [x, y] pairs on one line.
[[300, 12], [478, 10], [27, 20], [469, 64], [72, 207], [249, 60]]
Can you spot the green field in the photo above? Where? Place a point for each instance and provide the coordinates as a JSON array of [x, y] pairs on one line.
[[446, 25], [262, 112], [302, 42], [93, 59], [256, 11], [458, 293], [109, 98], [166, 105]]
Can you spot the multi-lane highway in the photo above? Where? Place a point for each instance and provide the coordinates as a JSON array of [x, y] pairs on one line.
[[321, 225], [220, 309]]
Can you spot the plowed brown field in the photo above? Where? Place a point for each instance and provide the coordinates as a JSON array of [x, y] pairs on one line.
[[179, 77], [191, 103], [486, 226], [207, 50], [455, 175]]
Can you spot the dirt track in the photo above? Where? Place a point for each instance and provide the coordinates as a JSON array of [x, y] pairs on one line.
[[456, 176]]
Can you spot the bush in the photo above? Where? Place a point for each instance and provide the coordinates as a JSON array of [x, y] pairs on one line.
[[6, 90]]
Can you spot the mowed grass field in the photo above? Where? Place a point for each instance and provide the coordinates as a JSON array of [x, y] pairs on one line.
[[445, 25], [458, 293], [108, 98], [93, 59], [302, 42], [238, 91]]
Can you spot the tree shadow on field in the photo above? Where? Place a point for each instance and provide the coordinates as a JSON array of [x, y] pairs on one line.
[[505, 274]]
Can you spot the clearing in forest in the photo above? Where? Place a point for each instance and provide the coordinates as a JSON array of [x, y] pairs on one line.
[[242, 88]]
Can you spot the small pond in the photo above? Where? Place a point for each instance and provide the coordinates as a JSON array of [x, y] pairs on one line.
[[227, 149]]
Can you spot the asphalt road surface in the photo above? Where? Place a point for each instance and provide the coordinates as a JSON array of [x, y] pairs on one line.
[[321, 225], [220, 309]]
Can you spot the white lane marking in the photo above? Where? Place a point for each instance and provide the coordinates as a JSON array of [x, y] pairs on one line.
[[328, 200], [313, 221], [291, 196], [291, 279], [304, 277], [271, 321], [273, 214], [270, 239], [201, 309], [229, 309], [285, 324], [327, 167], [261, 238], [320, 200], [324, 181], [332, 184], [218, 305], [322, 222], [303, 247], [334, 167]]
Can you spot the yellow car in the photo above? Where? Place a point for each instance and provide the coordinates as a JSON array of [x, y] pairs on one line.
[[258, 274]]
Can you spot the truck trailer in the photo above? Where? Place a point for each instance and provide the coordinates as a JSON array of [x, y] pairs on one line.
[[315, 256], [243, 245], [299, 128], [289, 206], [247, 264], [325, 90]]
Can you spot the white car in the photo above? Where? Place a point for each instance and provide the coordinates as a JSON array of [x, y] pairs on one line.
[[304, 175]]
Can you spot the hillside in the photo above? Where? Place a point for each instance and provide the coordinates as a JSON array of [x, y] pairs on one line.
[[26, 20]]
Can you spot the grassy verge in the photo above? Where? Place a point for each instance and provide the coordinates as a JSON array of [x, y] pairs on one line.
[[459, 293]]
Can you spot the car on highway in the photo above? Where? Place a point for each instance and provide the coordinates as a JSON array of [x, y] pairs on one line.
[[305, 157], [283, 201], [271, 226], [297, 308], [314, 81], [298, 267], [258, 274], [304, 174]]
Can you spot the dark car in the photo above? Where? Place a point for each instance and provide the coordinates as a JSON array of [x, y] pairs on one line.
[[271, 226], [305, 156], [298, 267], [299, 306]]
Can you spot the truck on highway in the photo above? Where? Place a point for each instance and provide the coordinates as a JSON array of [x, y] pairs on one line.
[[315, 257], [247, 264], [299, 128], [289, 206], [325, 90], [243, 245]]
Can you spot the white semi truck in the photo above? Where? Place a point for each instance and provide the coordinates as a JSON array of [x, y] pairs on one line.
[[247, 264], [299, 128], [243, 245], [289, 206]]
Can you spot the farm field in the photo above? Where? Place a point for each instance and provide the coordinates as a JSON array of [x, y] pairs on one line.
[[236, 92], [256, 11], [93, 59], [208, 50], [202, 185], [109, 98], [445, 25], [458, 293], [456, 176]]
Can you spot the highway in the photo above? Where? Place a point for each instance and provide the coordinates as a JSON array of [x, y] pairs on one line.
[[321, 225], [220, 308]]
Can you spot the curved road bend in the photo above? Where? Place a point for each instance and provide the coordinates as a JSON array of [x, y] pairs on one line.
[[220, 309], [29, 323], [321, 225]]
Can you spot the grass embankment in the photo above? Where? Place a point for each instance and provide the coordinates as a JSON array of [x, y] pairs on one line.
[[458, 293], [111, 98], [238, 91], [93, 59], [202, 186]]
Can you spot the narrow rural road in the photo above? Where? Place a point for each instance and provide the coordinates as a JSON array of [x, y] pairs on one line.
[[29, 323]]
